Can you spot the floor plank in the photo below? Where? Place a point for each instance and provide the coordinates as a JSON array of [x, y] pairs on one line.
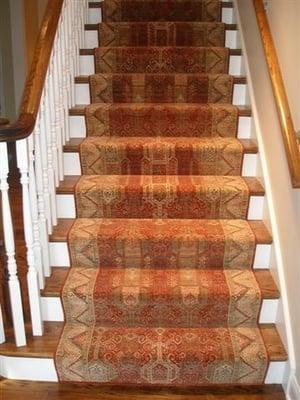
[[20, 390]]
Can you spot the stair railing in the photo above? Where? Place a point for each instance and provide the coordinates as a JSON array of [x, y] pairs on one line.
[[40, 133], [289, 134]]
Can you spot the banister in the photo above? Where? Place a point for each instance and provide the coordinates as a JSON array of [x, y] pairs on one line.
[[282, 104], [25, 122]]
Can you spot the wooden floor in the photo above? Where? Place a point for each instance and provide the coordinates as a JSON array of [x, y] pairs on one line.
[[22, 390]]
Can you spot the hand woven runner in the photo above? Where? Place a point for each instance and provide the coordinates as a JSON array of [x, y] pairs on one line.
[[161, 289]]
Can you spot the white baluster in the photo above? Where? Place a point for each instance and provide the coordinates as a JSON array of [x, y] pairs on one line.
[[32, 275], [40, 199], [54, 131], [13, 281], [51, 178], [2, 333], [44, 160], [37, 246]]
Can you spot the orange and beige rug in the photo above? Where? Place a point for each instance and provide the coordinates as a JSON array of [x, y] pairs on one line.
[[161, 289]]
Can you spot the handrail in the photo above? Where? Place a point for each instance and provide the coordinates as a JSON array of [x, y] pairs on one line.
[[25, 123], [282, 104]]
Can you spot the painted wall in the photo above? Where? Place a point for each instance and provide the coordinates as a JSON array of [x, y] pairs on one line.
[[284, 18]]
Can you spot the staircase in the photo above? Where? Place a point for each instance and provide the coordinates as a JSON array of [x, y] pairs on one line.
[[160, 258]]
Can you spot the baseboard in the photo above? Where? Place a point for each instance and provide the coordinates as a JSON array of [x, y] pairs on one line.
[[293, 390]]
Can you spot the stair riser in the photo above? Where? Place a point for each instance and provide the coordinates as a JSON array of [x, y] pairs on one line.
[[78, 127], [37, 369], [87, 65], [82, 94], [59, 255], [91, 39], [66, 207], [95, 16], [52, 310], [72, 164]]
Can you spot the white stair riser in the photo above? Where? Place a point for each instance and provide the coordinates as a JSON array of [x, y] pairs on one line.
[[72, 164], [95, 16], [66, 206], [59, 255], [78, 127], [82, 94], [87, 65], [43, 369], [91, 39], [52, 310]]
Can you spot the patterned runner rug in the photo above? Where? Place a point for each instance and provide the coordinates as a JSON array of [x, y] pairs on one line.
[[161, 289]]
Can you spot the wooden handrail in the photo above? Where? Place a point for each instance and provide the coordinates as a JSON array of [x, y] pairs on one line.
[[282, 104], [25, 123]]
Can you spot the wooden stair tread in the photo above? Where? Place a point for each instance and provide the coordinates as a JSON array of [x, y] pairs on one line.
[[61, 230], [91, 52], [85, 79], [99, 4], [67, 186], [45, 346], [264, 278], [73, 145], [79, 110], [19, 390], [94, 27]]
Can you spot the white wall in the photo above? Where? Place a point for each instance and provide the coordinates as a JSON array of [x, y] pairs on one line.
[[284, 19]]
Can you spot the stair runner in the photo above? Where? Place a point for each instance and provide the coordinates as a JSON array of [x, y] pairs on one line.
[[161, 289]]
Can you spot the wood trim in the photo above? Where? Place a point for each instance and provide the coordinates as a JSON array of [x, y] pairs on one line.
[[25, 123], [4, 121], [282, 104]]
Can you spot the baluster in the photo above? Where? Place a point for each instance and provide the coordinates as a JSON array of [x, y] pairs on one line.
[[51, 178], [43, 147], [9, 242], [32, 275], [37, 246], [2, 333], [58, 115], [53, 129], [40, 199]]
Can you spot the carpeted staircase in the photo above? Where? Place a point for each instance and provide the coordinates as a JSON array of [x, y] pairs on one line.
[[161, 290]]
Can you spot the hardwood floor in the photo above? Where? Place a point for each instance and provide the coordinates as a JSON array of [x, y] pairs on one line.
[[21, 390]]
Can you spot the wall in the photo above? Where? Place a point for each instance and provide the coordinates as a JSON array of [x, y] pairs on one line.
[[19, 27], [284, 19]]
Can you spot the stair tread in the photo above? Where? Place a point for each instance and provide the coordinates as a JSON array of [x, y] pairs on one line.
[[79, 109], [99, 4], [67, 186], [93, 27], [73, 145], [45, 346], [91, 52], [54, 284], [81, 79], [62, 229]]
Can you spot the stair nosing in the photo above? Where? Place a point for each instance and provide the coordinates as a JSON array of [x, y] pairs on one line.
[[250, 146], [95, 27], [9, 349], [91, 52], [257, 272], [79, 109], [61, 232], [85, 79]]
